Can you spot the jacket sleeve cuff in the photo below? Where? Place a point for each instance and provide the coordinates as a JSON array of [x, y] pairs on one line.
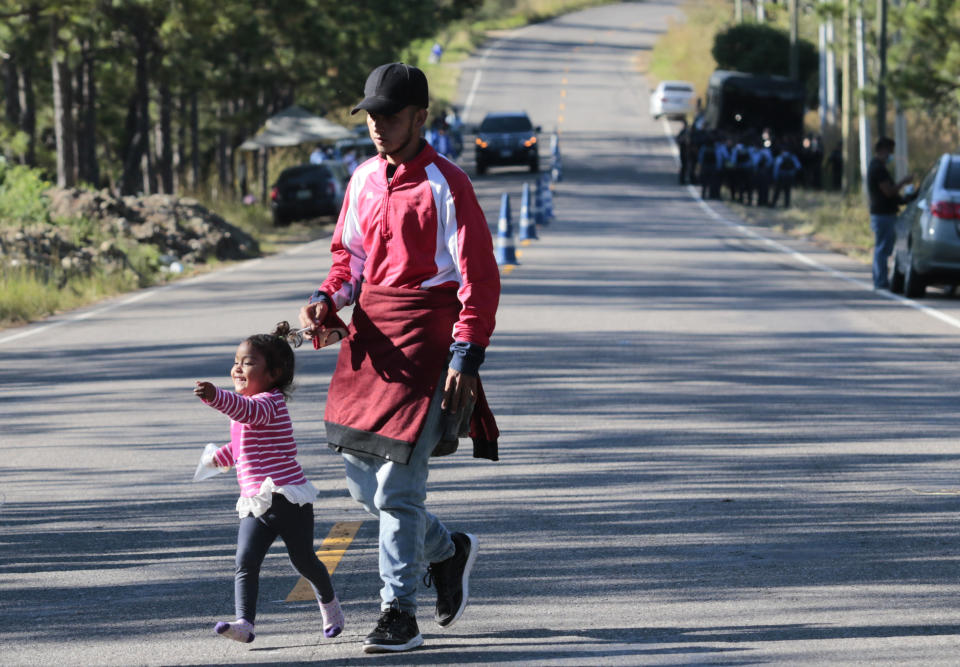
[[319, 296], [466, 357]]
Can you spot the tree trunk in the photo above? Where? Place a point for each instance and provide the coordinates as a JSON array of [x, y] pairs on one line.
[[180, 149], [130, 177], [194, 143], [28, 110], [11, 92], [137, 127], [80, 101], [90, 119], [149, 164], [223, 171], [62, 113], [165, 138]]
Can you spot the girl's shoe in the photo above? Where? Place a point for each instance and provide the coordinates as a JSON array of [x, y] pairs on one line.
[[332, 617], [241, 630]]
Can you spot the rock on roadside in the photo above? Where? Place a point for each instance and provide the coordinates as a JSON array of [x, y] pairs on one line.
[[182, 231]]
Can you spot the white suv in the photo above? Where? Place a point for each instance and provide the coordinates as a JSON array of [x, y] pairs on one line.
[[672, 98]]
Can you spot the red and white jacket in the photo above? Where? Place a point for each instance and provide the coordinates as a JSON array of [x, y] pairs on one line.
[[423, 229]]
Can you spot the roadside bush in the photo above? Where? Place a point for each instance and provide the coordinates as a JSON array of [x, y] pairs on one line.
[[762, 49], [21, 195]]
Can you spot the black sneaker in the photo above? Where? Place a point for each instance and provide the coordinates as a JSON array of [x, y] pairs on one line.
[[452, 579], [396, 631]]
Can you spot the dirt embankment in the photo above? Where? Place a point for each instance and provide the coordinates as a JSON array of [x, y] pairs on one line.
[[98, 230]]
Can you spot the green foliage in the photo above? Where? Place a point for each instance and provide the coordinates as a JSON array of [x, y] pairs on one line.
[[21, 195], [926, 59], [761, 49]]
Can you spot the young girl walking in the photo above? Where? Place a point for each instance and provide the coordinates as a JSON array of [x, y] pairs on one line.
[[275, 497]]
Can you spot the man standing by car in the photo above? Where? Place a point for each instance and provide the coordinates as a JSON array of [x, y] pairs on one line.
[[412, 232], [885, 200]]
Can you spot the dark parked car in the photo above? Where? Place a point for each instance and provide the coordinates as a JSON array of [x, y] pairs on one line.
[[307, 191], [927, 251], [507, 138]]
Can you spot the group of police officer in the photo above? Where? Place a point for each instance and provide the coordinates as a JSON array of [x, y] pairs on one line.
[[750, 165]]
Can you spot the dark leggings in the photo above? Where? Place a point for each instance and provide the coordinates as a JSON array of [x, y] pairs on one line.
[[294, 525]]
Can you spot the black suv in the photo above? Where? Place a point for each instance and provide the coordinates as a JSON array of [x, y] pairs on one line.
[[507, 138], [307, 191]]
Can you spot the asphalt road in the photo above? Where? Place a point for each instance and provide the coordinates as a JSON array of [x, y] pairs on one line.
[[719, 446]]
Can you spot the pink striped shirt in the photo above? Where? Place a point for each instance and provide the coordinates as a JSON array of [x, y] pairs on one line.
[[261, 440]]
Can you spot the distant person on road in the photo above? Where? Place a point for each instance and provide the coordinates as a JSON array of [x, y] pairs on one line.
[[683, 148], [762, 172], [709, 162], [835, 163], [276, 499], [785, 170], [406, 384], [742, 187], [727, 165], [885, 201]]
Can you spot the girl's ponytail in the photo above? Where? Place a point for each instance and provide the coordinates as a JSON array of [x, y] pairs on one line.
[[278, 355]]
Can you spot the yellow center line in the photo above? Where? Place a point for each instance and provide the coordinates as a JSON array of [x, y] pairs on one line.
[[563, 93], [331, 551]]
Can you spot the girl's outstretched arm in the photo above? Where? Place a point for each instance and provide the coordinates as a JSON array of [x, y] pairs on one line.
[[258, 410]]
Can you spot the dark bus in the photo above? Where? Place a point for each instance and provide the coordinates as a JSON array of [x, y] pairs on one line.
[[739, 102]]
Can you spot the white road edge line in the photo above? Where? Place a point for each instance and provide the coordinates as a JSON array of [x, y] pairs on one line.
[[799, 256], [145, 294]]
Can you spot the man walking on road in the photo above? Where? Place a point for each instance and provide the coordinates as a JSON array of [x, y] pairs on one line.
[[413, 234], [885, 200]]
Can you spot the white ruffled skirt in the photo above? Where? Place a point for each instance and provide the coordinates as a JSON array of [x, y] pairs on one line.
[[299, 494]]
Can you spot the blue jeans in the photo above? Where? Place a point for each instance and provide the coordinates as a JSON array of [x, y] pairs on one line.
[[410, 536], [885, 236]]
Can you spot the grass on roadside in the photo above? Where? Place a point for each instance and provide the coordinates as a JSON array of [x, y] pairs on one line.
[[833, 220], [26, 296]]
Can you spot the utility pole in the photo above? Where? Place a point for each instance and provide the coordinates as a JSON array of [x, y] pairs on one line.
[[864, 121], [831, 75], [900, 154], [738, 11], [822, 79], [849, 166], [794, 39], [882, 78], [761, 12]]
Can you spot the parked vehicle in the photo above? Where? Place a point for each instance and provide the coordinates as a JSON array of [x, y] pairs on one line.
[[673, 98], [506, 138], [927, 250], [306, 191], [738, 102]]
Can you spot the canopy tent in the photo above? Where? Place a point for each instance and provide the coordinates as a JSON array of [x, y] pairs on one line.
[[293, 126]]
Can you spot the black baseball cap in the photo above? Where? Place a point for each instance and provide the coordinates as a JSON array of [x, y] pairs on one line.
[[392, 87]]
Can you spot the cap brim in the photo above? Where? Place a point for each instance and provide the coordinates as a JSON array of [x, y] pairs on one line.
[[378, 104]]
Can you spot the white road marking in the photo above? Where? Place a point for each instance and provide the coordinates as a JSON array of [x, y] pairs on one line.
[[139, 296], [799, 256]]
